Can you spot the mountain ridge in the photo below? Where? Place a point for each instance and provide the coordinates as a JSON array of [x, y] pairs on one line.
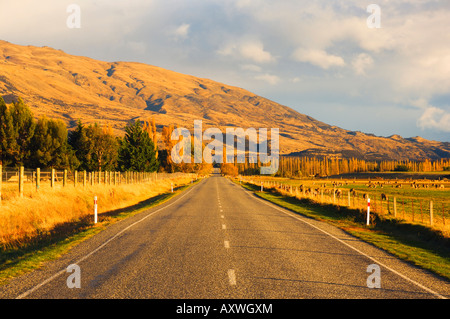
[[69, 87]]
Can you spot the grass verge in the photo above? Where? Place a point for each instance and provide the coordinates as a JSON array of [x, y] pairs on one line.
[[417, 244], [51, 245]]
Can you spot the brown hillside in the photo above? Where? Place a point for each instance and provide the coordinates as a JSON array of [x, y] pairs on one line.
[[68, 87]]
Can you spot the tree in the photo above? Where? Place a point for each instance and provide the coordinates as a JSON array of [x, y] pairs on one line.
[[137, 151], [96, 148], [7, 137], [150, 128], [165, 154], [23, 131], [49, 146], [229, 169]]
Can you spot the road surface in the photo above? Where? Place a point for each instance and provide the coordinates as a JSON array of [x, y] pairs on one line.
[[218, 240]]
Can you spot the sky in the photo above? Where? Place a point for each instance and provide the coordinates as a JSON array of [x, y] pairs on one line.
[[378, 66]]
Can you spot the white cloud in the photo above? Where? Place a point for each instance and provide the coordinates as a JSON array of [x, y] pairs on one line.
[[182, 31], [361, 63], [318, 57], [435, 118], [271, 79], [251, 67], [255, 51], [251, 50]]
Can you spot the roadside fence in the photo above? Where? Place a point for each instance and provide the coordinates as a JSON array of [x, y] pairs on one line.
[[434, 212], [13, 178]]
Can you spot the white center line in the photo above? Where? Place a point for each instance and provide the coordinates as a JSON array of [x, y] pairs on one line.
[[222, 216], [231, 277], [224, 226], [226, 243]]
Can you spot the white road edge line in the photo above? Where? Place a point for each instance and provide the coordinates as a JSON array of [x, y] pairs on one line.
[[355, 249], [28, 292]]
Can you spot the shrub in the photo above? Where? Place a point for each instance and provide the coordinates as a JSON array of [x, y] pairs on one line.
[[401, 168]]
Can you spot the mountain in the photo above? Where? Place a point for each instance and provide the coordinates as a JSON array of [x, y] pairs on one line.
[[68, 87]]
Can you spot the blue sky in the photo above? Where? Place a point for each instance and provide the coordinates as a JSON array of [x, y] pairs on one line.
[[317, 57]]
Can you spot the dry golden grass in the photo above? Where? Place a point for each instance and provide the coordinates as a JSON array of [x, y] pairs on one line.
[[38, 212]]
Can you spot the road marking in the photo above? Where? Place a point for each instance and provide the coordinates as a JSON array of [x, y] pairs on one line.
[[226, 243], [350, 246], [231, 277], [221, 216], [221, 210], [26, 293], [224, 226]]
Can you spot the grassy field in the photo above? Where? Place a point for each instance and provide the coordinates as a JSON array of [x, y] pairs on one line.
[[418, 244], [39, 212], [412, 198], [48, 223]]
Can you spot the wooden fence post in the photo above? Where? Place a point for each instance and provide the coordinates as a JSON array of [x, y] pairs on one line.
[[381, 205], [395, 206], [75, 178], [84, 178], [65, 178], [38, 178], [403, 205], [421, 212], [349, 198], [52, 179], [21, 169], [431, 213], [443, 215]]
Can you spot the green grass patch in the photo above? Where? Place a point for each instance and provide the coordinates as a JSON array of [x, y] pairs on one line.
[[417, 244], [52, 245]]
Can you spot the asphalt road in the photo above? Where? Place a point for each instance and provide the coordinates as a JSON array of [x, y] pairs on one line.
[[217, 240]]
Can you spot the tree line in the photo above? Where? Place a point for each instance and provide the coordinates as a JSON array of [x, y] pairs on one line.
[[47, 143], [307, 166]]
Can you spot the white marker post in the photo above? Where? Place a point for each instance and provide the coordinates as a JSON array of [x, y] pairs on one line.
[[171, 187], [262, 187], [368, 211], [95, 210]]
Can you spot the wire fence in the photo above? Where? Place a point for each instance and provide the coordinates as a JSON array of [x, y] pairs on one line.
[[13, 180], [433, 212]]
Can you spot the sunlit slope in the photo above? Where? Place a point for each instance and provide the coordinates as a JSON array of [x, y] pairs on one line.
[[68, 87]]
